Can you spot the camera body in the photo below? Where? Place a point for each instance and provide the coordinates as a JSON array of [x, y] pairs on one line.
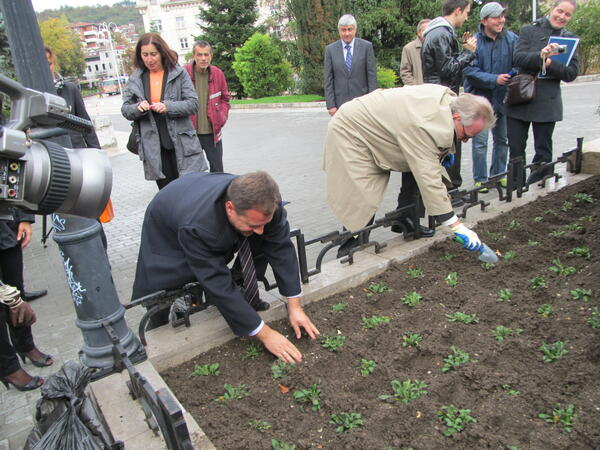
[[561, 48]]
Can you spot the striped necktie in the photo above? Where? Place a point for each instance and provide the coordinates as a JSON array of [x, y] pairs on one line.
[[348, 57], [247, 263]]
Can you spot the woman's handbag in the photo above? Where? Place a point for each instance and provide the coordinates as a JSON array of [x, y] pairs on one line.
[[132, 142], [520, 89]]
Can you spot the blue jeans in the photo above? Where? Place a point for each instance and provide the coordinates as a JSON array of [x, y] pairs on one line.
[[499, 153]]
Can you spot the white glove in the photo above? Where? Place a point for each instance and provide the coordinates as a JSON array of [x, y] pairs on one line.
[[468, 237]]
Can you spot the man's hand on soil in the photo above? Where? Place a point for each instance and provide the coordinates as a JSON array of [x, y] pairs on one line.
[[298, 319], [277, 344]]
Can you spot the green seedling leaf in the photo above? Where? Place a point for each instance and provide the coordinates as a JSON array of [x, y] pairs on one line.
[[346, 421], [581, 294], [455, 419], [367, 367], [561, 416], [537, 282], [583, 252], [252, 351], [339, 307], [452, 279], [501, 332], [260, 425], [581, 197], [233, 393], [553, 352], [545, 310], [560, 269], [205, 370], [281, 445], [594, 320], [374, 321], [281, 368], [411, 339], [406, 391], [312, 396], [412, 299], [462, 317], [514, 225], [414, 272], [378, 288], [333, 343], [455, 359], [532, 243], [505, 295]]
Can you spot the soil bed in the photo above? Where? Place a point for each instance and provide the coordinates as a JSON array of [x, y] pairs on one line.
[[506, 384]]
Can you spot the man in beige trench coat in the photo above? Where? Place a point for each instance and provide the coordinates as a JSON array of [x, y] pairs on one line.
[[408, 129]]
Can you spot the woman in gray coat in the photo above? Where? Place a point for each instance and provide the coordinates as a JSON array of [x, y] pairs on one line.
[[531, 50], [160, 97]]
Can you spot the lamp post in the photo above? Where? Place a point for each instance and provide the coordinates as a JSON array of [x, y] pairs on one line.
[[533, 9], [112, 52]]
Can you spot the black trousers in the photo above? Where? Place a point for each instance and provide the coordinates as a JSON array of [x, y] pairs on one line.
[[169, 167], [213, 152], [409, 193], [454, 169], [518, 132]]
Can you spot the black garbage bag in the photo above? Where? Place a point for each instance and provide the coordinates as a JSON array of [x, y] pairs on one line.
[[66, 417]]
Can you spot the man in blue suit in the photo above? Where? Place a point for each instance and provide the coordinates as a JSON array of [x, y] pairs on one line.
[[350, 68]]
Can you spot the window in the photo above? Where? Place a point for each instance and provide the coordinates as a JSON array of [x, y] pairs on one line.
[[184, 43], [89, 68], [180, 23], [103, 66], [97, 69], [106, 54], [156, 26]]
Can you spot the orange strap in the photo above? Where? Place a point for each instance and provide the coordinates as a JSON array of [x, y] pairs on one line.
[[108, 214]]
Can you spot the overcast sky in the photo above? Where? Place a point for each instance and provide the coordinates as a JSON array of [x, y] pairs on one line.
[[41, 5]]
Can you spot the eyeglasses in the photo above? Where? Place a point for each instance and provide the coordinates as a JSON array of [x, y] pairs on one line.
[[465, 136]]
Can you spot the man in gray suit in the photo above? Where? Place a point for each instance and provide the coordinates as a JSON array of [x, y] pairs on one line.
[[350, 69]]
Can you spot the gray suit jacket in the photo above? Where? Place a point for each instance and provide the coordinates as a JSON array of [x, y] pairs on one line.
[[341, 85]]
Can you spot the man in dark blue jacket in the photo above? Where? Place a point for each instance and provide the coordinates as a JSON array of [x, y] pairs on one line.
[[487, 76]]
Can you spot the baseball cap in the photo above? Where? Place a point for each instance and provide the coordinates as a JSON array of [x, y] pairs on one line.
[[493, 9]]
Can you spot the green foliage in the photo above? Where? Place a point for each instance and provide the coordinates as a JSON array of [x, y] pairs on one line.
[[566, 206], [501, 332], [561, 416], [333, 343], [346, 421], [553, 352], [121, 13], [538, 219], [260, 425], [339, 307], [514, 225], [65, 43], [582, 197], [411, 339], [233, 393], [261, 68], [509, 390], [205, 370], [414, 272], [448, 257], [589, 219], [537, 282], [556, 233], [455, 419], [367, 367], [378, 288], [594, 320], [560, 269], [509, 255], [574, 226], [312, 396], [585, 25], [505, 295], [226, 25], [462, 317], [386, 78], [533, 243], [455, 359], [584, 252], [551, 212], [412, 299], [406, 391], [252, 351], [581, 294], [6, 64], [452, 279], [281, 445], [487, 266], [545, 310], [496, 235], [374, 321], [281, 368]]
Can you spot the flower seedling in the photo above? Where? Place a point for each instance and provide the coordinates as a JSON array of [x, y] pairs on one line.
[[462, 317], [252, 351], [281, 445], [584, 252], [339, 307], [514, 225], [545, 310], [333, 343], [509, 391], [553, 352], [501, 332], [566, 206], [374, 321], [537, 282], [594, 321], [586, 219], [455, 419], [496, 235], [205, 370], [561, 416], [561, 269], [311, 396], [233, 393], [448, 256], [487, 266], [509, 255], [574, 226], [260, 425], [581, 294], [533, 243], [538, 219], [281, 368], [581, 197], [556, 233], [505, 295], [378, 288], [550, 212], [452, 279], [412, 299], [411, 339], [367, 367], [455, 359], [414, 272], [346, 421], [406, 391]]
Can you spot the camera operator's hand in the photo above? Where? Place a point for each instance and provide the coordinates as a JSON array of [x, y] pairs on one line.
[[24, 234], [22, 315], [158, 107], [143, 106], [502, 79], [470, 44]]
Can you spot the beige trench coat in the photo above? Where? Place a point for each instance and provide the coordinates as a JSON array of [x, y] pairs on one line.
[[411, 69], [408, 129]]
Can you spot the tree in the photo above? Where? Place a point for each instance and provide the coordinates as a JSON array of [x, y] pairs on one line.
[[65, 43], [6, 64], [315, 26], [585, 25], [261, 67], [226, 25]]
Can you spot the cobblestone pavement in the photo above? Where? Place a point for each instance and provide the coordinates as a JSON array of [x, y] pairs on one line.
[[285, 142]]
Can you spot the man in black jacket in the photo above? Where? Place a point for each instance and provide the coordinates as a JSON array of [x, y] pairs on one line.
[[191, 231], [443, 62]]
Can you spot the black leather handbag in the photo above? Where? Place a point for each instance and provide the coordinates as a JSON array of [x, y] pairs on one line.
[[520, 89], [132, 142]]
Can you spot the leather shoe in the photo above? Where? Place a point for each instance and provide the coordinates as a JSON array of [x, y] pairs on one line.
[[410, 228], [31, 296], [261, 305], [345, 248]]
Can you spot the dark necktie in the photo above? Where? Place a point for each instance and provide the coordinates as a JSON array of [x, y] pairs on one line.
[[250, 284], [348, 57]]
